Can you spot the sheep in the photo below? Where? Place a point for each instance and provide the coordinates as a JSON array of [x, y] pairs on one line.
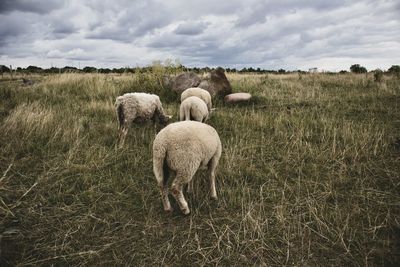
[[182, 147], [200, 93], [138, 108], [193, 108]]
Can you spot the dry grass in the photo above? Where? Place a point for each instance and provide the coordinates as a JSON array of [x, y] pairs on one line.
[[309, 176]]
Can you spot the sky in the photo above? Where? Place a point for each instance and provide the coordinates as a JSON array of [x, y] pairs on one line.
[[330, 35]]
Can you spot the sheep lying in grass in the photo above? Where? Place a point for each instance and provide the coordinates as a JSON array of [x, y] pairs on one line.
[[193, 108], [183, 147], [138, 108], [200, 93]]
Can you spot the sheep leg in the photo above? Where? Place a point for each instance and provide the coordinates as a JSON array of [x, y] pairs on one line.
[[177, 193], [123, 131], [164, 196], [212, 165], [161, 172], [122, 136], [190, 187]]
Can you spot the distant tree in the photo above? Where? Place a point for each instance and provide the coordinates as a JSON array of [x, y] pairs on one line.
[[53, 70], [128, 70], [394, 69], [356, 68], [378, 75], [69, 69], [4, 68], [104, 70], [34, 69], [89, 69], [281, 71], [343, 71]]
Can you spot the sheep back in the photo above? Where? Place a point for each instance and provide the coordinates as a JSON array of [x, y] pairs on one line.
[[193, 108], [138, 106], [186, 145], [200, 93]]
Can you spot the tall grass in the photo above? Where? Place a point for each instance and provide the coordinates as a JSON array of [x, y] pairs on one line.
[[309, 175]]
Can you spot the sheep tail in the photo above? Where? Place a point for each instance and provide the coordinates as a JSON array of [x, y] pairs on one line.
[[120, 112], [188, 112], [160, 166], [184, 113], [181, 114]]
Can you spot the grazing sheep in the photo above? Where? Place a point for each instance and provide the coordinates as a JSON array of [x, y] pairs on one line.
[[200, 93], [138, 108], [183, 147], [193, 108]]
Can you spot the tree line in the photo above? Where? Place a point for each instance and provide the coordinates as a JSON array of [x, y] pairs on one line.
[[88, 69], [355, 68]]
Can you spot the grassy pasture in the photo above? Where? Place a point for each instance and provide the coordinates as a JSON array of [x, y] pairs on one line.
[[309, 175]]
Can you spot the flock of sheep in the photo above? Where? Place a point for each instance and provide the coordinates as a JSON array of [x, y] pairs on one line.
[[181, 147]]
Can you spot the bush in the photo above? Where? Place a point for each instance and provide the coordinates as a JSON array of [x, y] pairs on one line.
[[378, 75], [394, 70], [356, 68]]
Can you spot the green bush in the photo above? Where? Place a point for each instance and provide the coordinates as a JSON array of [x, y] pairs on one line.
[[378, 75], [356, 68]]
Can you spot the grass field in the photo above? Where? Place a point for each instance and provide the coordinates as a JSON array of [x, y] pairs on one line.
[[309, 175]]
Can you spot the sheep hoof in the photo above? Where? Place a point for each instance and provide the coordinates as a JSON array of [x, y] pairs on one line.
[[214, 198], [170, 210], [186, 211]]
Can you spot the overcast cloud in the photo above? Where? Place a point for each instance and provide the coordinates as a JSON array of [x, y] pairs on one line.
[[330, 35]]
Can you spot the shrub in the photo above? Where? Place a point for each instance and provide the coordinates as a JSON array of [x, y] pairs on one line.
[[378, 75], [394, 70], [356, 68]]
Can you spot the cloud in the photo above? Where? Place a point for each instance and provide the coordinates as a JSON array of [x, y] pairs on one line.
[[268, 34], [190, 28], [33, 6], [74, 54], [131, 22], [63, 28]]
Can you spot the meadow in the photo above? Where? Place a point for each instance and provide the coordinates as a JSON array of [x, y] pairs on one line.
[[309, 175]]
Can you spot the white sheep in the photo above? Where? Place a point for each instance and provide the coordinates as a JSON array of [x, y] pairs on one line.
[[200, 93], [193, 108], [183, 147], [138, 108]]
